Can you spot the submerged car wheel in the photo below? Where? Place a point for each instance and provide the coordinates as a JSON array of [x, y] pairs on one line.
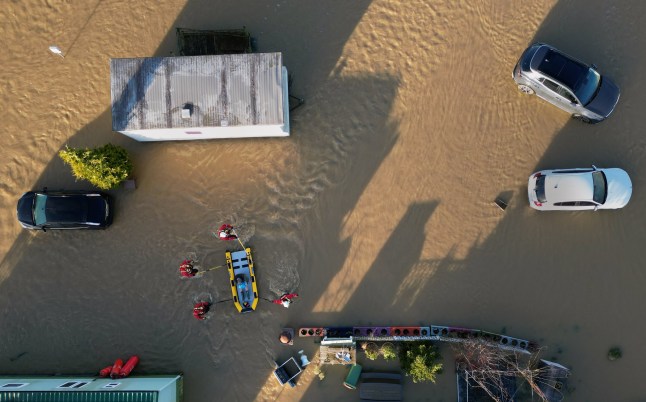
[[525, 89], [581, 118]]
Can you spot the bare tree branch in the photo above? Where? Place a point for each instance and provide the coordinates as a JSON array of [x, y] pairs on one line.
[[489, 367]]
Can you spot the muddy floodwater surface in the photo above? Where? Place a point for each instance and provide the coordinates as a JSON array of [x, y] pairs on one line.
[[377, 209]]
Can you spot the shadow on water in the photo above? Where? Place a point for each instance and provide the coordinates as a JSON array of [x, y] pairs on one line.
[[590, 263], [401, 252], [571, 281], [75, 301], [379, 288]]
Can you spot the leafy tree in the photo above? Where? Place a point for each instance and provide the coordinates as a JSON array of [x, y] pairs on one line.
[[105, 167], [419, 361]]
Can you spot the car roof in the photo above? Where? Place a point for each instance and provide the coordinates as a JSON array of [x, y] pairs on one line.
[[72, 209], [569, 187], [562, 68]]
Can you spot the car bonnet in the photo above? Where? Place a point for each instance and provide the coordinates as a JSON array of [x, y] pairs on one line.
[[620, 188], [606, 99], [25, 208]]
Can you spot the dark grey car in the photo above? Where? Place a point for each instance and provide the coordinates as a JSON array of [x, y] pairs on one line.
[[64, 210], [566, 83]]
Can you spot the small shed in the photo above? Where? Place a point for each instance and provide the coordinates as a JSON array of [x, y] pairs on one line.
[[200, 97]]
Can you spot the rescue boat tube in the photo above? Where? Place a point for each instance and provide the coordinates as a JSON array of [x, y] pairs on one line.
[[105, 371], [127, 368], [116, 368]]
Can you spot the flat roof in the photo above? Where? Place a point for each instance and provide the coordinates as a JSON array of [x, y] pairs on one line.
[[218, 91]]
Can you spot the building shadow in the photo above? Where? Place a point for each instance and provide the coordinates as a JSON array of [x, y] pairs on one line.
[[75, 301], [568, 280], [378, 288]]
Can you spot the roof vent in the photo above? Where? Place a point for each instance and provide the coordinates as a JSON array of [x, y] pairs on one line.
[[187, 111]]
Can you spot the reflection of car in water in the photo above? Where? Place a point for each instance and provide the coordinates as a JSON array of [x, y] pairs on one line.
[[566, 83], [242, 280], [579, 189], [64, 210]]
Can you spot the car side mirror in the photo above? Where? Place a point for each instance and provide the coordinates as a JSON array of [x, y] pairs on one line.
[[596, 207], [594, 167]]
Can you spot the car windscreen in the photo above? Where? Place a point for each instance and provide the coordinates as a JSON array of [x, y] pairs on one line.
[[60, 209], [40, 209], [526, 58], [539, 188], [588, 86], [600, 187]]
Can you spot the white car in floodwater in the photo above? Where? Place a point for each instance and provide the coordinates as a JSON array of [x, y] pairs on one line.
[[579, 189]]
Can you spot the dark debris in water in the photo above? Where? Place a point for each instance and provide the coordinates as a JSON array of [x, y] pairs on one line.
[[16, 357]]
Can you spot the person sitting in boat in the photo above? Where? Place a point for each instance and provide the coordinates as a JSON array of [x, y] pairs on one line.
[[243, 290], [226, 232], [187, 270], [200, 309]]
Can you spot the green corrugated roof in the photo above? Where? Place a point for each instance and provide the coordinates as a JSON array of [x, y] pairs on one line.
[[78, 396]]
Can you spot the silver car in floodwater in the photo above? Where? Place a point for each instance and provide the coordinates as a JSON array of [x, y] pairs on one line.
[[566, 83], [579, 189]]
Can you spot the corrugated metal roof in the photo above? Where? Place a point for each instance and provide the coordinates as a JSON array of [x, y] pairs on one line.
[[223, 90], [78, 396]]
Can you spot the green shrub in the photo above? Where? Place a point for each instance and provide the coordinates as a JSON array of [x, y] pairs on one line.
[[419, 361], [372, 351], [614, 354], [388, 351], [105, 167]]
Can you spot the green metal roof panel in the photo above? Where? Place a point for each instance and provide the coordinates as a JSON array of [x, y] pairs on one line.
[[78, 396]]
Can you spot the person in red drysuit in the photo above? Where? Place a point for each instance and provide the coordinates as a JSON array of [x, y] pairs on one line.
[[286, 299], [226, 232], [200, 309], [187, 270]]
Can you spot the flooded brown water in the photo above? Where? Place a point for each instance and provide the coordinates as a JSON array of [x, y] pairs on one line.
[[377, 209]]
